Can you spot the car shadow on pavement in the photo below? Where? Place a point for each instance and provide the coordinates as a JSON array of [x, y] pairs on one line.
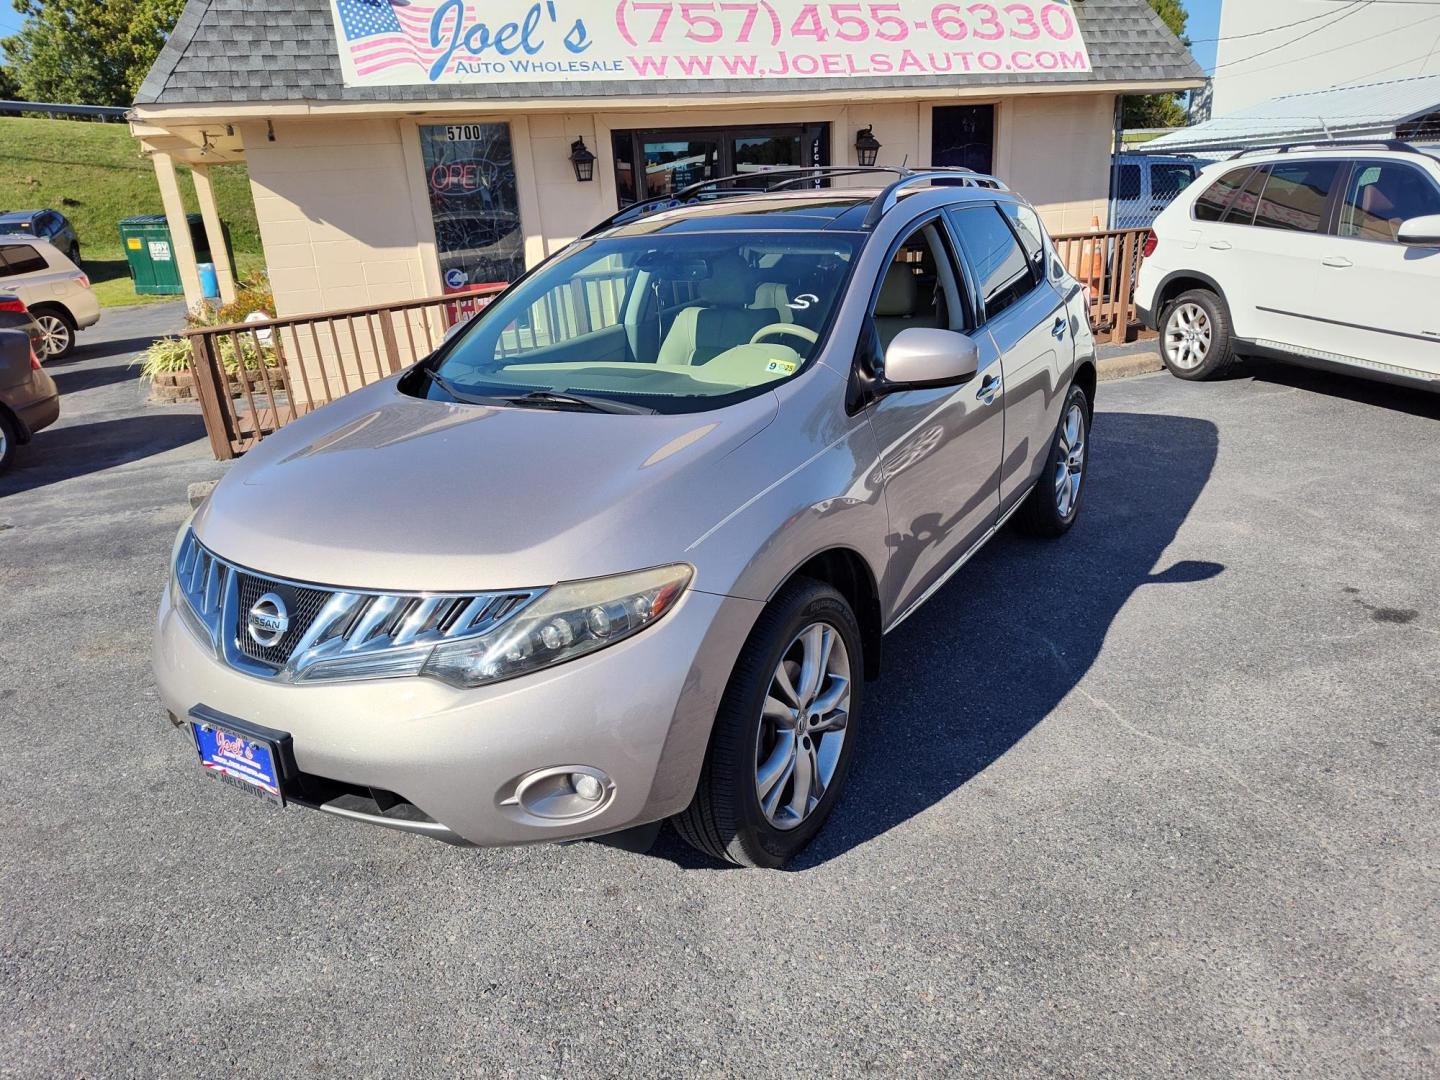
[[63, 453], [996, 650], [88, 378], [1348, 387]]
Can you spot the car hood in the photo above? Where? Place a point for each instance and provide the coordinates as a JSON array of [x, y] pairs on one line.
[[385, 491]]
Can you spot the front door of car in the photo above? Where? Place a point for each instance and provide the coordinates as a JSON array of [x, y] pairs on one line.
[[940, 449], [1378, 296]]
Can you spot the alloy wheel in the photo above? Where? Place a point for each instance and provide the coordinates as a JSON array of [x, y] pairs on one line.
[[4, 444], [1070, 461], [1188, 336], [802, 726], [55, 334]]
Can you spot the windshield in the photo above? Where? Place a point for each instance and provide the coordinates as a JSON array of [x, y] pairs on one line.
[[663, 323]]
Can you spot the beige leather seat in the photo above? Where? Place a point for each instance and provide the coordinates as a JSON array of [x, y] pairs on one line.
[[731, 315], [899, 306]]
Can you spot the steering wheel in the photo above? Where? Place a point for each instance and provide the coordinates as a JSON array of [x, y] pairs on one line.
[[785, 328]]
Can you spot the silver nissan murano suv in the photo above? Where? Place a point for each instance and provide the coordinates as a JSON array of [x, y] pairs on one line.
[[625, 547]]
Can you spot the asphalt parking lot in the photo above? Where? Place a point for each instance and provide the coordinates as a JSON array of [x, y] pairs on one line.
[[1159, 799]]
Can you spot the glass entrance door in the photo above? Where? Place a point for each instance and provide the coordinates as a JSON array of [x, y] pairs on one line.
[[654, 164]]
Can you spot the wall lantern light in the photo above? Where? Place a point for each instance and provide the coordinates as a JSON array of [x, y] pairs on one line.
[[867, 147], [583, 160]]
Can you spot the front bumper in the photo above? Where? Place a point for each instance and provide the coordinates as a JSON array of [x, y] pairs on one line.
[[640, 712]]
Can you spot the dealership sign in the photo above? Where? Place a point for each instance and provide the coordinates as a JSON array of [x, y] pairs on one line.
[[402, 43]]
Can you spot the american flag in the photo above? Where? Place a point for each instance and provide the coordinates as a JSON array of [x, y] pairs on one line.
[[381, 35]]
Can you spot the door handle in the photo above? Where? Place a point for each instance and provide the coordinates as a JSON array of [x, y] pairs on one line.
[[988, 389], [1221, 245], [1339, 262], [1058, 330]]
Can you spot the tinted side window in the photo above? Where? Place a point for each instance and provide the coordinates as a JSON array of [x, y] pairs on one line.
[[1128, 182], [20, 259], [1381, 197], [1002, 271], [1211, 205], [1295, 196], [1032, 235], [1247, 199], [1167, 181]]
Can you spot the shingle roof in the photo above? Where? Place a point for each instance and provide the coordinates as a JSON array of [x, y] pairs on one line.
[[1368, 111], [234, 51]]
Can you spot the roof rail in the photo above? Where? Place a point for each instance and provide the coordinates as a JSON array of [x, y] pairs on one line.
[[781, 179], [1396, 145], [890, 197], [695, 192]]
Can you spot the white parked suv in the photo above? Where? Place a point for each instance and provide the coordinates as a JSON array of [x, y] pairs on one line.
[[1328, 256], [56, 291]]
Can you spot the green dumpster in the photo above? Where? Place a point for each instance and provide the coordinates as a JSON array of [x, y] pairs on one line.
[[151, 252]]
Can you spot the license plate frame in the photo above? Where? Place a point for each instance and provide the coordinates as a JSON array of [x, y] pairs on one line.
[[248, 757]]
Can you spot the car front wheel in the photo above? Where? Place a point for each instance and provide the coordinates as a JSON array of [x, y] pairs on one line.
[[784, 734], [58, 333]]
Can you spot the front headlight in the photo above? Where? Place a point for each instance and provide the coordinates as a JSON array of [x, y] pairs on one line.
[[564, 624]]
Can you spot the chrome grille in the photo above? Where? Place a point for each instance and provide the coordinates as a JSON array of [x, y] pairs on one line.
[[326, 623], [302, 604]]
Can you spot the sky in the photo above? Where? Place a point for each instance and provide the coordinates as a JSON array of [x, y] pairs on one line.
[[1204, 24], [9, 19]]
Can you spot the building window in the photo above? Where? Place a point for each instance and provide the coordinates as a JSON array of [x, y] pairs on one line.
[[963, 136], [470, 175], [655, 164]]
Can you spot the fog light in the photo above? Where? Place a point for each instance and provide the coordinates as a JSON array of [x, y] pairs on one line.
[[561, 792], [587, 787]]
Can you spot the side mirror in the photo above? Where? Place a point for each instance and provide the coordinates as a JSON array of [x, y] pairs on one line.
[[1421, 231], [924, 359]]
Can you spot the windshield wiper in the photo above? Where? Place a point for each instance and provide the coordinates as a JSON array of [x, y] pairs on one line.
[[550, 399], [458, 394]]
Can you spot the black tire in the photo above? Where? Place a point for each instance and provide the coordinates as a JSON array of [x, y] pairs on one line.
[[75, 254], [725, 820], [1046, 514], [9, 440], [59, 329], [1211, 335]]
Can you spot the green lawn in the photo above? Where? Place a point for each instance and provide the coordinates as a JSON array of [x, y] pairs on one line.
[[95, 175]]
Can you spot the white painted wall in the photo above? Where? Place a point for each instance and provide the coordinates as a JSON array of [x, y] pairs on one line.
[[1374, 42], [332, 200]]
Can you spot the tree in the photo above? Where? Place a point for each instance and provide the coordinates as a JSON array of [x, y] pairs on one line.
[[87, 52], [1161, 110], [9, 87]]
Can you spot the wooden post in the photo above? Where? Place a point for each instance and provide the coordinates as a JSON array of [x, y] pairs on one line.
[[387, 337], [182, 248], [1124, 290], [214, 233], [212, 390]]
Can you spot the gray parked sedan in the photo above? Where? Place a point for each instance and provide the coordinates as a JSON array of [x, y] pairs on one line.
[[626, 547]]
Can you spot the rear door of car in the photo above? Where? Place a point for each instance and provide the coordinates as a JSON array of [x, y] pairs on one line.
[[1026, 318], [1267, 261], [1377, 299], [26, 272]]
